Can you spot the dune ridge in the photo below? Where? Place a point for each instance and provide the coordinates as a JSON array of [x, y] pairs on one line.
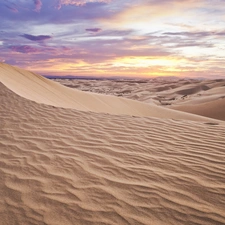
[[41, 90], [64, 166]]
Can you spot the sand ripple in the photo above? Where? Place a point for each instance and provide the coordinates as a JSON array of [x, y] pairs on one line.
[[61, 166]]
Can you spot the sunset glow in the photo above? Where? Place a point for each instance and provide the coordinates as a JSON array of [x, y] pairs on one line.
[[140, 38]]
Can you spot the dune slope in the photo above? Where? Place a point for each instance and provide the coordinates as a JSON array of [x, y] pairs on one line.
[[201, 97], [213, 109], [39, 89], [63, 166]]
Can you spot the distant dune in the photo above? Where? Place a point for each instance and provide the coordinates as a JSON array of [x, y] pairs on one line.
[[73, 158]]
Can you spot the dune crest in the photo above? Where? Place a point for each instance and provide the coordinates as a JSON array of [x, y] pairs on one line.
[[41, 90]]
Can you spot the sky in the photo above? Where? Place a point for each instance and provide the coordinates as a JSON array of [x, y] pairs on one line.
[[135, 38]]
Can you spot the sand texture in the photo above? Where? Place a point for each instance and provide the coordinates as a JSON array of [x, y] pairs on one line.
[[64, 166]]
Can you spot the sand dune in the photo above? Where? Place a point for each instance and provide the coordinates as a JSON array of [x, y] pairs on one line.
[[64, 166], [70, 157], [194, 96], [214, 108], [41, 90]]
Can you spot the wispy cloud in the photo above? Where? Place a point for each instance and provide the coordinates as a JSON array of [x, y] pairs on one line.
[[12, 8], [78, 2], [36, 38], [93, 29], [197, 33], [23, 48]]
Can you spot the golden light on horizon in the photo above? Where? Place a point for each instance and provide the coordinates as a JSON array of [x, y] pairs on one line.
[[149, 61], [133, 65]]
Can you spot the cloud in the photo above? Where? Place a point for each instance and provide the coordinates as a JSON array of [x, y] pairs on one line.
[[23, 48], [143, 12], [122, 33], [115, 33], [38, 5], [197, 34], [47, 13], [36, 38], [78, 2], [93, 29], [12, 8]]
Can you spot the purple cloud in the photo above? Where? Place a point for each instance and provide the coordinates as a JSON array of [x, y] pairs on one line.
[[12, 9], [38, 5], [23, 48], [93, 29], [36, 38]]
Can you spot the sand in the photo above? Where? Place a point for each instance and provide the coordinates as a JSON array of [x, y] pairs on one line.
[[201, 97], [62, 165]]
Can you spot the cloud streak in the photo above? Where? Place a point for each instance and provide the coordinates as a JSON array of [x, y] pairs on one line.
[[78, 2], [93, 29], [12, 8], [197, 34], [24, 48], [36, 38]]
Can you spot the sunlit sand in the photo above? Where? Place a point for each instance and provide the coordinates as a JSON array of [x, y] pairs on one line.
[[72, 157]]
